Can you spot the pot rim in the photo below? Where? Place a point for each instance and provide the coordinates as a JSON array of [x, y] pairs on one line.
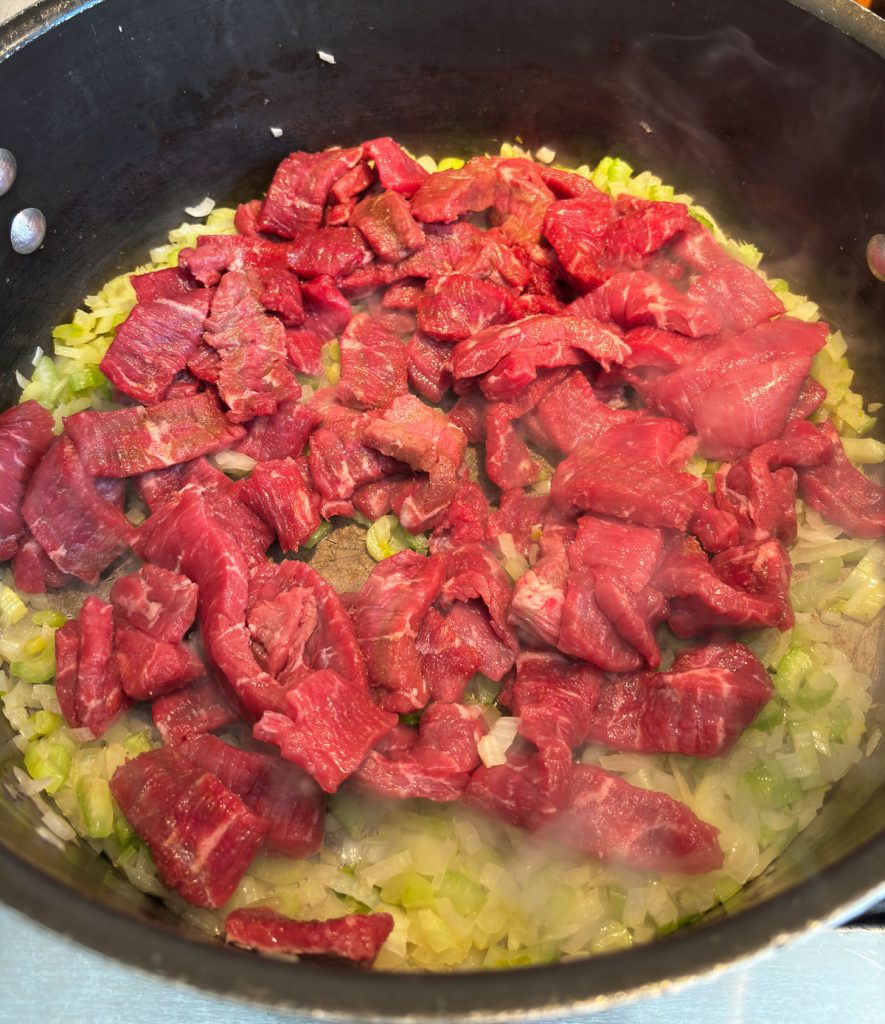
[[333, 991]]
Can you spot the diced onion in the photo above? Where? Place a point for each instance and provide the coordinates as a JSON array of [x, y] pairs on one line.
[[493, 747], [201, 209]]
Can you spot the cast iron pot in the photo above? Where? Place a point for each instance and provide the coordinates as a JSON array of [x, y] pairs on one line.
[[122, 112]]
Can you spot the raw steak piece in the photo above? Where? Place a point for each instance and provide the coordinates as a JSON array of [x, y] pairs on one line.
[[520, 516], [160, 603], [98, 697], [33, 570], [396, 170], [611, 820], [539, 596], [760, 569], [387, 224], [508, 357], [193, 711], [374, 365], [25, 437], [570, 414], [447, 195], [388, 614], [341, 459], [738, 295], [639, 490], [155, 343], [456, 306], [65, 511], [448, 661], [464, 520], [526, 791], [333, 252], [67, 654], [149, 668], [436, 764], [202, 837], [842, 493], [739, 393], [170, 283], [472, 572], [271, 788], [331, 726], [428, 367], [281, 435], [637, 298], [141, 438], [351, 184], [278, 493], [699, 708], [554, 699], [586, 632], [577, 229], [356, 937], [300, 187]]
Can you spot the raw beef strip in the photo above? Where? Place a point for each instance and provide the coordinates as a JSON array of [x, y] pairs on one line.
[[80, 531], [170, 283], [428, 367], [437, 764], [539, 596], [149, 668], [300, 187], [464, 521], [636, 298], [639, 490], [160, 603], [387, 224], [577, 230], [374, 366], [273, 789], [309, 630], [456, 306], [279, 494], [405, 294], [98, 697], [388, 614], [554, 699], [424, 439], [760, 489], [326, 313], [281, 295], [331, 726], [739, 296], [155, 343], [760, 569], [520, 515], [351, 184], [246, 218], [205, 364], [214, 254], [739, 392], [586, 632], [67, 654], [643, 227], [448, 662], [701, 601], [281, 435], [193, 711], [253, 374], [699, 708], [356, 937], [396, 170], [471, 621], [609, 819], [447, 195], [202, 837], [33, 570], [134, 440], [520, 205], [566, 184], [468, 413], [508, 357], [25, 437], [472, 572], [333, 252], [526, 791], [623, 549], [570, 414], [842, 494]]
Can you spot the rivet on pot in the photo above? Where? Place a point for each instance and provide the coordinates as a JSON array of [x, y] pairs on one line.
[[876, 256], [8, 168], [27, 231]]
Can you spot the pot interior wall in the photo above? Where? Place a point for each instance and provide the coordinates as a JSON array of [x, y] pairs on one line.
[[128, 112]]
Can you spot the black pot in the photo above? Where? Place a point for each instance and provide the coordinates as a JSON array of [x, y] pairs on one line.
[[121, 113]]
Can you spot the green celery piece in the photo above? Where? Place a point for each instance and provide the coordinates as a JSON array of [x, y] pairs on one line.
[[542, 953], [769, 784], [386, 537], [319, 534], [793, 667], [48, 618], [85, 378], [36, 670], [45, 722], [613, 935], [770, 717], [409, 890], [47, 760], [466, 895], [816, 691], [137, 743], [481, 690], [12, 608], [840, 717], [617, 897], [353, 905], [96, 806], [124, 833]]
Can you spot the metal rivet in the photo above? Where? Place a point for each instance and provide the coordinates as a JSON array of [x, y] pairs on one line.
[[8, 168], [28, 231], [876, 256]]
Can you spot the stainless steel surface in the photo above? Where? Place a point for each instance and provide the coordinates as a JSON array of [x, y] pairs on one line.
[[8, 170], [27, 231], [876, 256]]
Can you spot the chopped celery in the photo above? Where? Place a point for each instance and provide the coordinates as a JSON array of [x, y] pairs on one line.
[[12, 608], [450, 163], [481, 690], [319, 534], [498, 956], [123, 831], [827, 570], [864, 450], [47, 760], [617, 897], [816, 691], [726, 888], [613, 935], [410, 718], [792, 669], [45, 722], [353, 905], [36, 670], [96, 806], [466, 895], [36, 645], [386, 536], [408, 890], [86, 377], [862, 594], [840, 718], [137, 743], [48, 618], [768, 783], [770, 717]]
